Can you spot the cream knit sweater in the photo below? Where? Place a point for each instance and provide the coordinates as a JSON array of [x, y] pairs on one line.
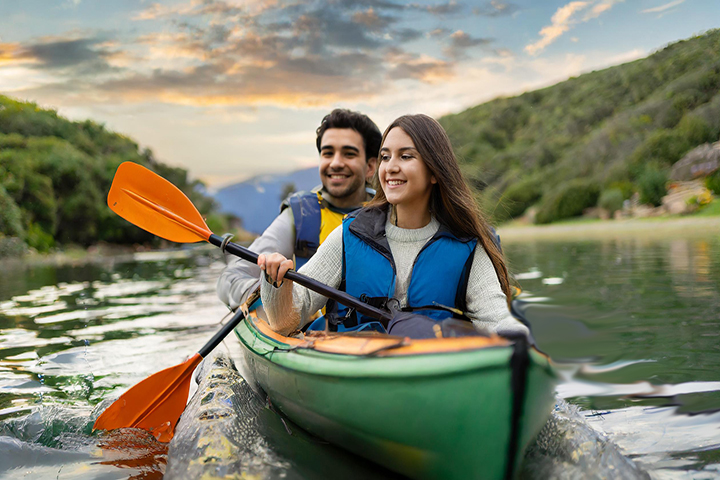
[[290, 306]]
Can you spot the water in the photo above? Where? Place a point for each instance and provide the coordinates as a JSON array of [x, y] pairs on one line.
[[633, 322]]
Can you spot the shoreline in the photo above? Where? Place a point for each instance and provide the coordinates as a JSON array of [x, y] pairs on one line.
[[656, 227], [651, 228], [101, 253]]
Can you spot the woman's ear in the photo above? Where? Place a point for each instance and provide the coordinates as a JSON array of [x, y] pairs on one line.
[[433, 179]]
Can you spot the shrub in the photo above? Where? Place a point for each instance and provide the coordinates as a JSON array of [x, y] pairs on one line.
[[665, 146], [39, 239], [611, 200], [517, 198], [10, 216], [568, 201], [652, 185], [695, 130], [712, 182], [626, 188]]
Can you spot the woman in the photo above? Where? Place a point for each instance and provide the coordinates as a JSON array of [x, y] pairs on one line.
[[421, 240]]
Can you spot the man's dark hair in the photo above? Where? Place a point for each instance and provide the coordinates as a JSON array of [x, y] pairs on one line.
[[343, 118]]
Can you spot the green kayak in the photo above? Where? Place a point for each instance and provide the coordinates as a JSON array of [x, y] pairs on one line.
[[445, 408]]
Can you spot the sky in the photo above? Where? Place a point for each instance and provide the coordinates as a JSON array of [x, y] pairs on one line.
[[230, 89]]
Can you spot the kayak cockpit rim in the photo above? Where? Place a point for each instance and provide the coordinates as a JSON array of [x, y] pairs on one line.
[[371, 345]]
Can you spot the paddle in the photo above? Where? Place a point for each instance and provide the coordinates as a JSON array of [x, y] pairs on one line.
[[147, 200], [156, 403], [152, 203]]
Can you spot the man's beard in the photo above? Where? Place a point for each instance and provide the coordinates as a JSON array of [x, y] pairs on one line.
[[342, 192]]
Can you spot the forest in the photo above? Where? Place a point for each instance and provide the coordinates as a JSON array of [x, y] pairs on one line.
[[54, 179], [592, 140]]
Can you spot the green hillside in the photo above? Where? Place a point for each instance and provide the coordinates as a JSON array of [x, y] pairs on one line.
[[602, 135], [55, 175]]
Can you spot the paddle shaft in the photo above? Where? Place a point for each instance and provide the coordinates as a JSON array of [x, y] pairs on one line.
[[307, 282], [221, 334]]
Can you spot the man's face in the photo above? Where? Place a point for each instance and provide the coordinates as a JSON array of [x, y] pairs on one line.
[[343, 168]]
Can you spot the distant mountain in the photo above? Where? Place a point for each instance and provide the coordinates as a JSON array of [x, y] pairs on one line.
[[257, 200]]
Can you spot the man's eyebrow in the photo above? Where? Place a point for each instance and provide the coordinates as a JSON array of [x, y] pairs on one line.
[[344, 147]]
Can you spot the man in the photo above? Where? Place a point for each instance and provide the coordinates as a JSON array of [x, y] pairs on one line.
[[348, 143]]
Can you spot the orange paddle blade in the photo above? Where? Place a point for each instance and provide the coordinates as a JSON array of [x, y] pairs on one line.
[[155, 404], [144, 198]]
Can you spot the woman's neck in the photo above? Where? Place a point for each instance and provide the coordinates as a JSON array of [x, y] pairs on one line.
[[409, 217]]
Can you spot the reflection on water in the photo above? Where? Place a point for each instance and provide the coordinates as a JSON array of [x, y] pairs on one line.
[[643, 317], [633, 324]]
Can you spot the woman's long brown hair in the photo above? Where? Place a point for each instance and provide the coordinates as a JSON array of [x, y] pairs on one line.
[[451, 201]]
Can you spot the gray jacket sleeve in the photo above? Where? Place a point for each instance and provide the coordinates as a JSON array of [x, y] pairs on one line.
[[486, 302], [240, 278], [291, 306]]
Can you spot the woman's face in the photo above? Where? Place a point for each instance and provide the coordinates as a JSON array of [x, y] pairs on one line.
[[404, 177]]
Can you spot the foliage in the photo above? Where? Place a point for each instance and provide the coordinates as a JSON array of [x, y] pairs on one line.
[[517, 198], [55, 175], [605, 126], [611, 200], [39, 239], [10, 216], [712, 209], [568, 201], [652, 183], [712, 182]]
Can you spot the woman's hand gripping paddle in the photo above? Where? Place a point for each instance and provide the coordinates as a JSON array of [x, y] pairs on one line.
[[147, 200]]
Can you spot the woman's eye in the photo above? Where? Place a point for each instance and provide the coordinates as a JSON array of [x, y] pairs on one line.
[[407, 157]]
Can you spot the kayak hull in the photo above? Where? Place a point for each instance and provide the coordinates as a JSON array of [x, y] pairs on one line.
[[426, 415]]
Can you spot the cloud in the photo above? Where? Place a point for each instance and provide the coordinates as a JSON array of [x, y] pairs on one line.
[[282, 52], [371, 19], [564, 19], [403, 66], [662, 8], [377, 4], [194, 8], [438, 32], [9, 53], [495, 8], [461, 41], [560, 24], [600, 8], [440, 9], [71, 55]]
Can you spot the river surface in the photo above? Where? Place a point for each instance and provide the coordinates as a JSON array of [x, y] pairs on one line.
[[633, 324]]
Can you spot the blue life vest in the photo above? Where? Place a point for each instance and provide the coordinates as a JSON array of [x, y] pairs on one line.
[[438, 281], [307, 215]]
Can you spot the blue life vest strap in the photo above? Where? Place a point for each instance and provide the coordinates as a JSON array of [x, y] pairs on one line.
[[307, 215]]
